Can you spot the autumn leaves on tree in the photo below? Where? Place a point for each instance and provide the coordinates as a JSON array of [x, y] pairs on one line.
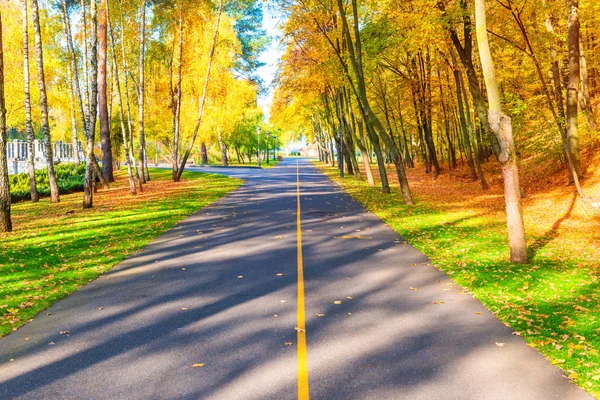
[[104, 60], [406, 82]]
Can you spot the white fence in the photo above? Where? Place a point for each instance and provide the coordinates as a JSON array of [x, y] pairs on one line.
[[17, 153]]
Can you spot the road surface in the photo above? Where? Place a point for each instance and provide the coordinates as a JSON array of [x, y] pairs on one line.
[[213, 310]]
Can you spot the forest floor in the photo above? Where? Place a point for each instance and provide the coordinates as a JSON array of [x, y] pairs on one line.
[[56, 248], [554, 301]]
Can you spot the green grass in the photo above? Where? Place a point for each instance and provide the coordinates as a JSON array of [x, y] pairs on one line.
[[553, 302], [56, 248]]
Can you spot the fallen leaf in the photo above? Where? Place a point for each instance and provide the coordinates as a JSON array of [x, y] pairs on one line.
[[320, 315], [280, 274], [478, 313], [414, 288], [240, 276], [349, 297], [438, 302], [64, 332], [500, 344], [300, 330], [337, 302], [284, 301], [197, 365], [288, 343], [183, 269], [184, 308]]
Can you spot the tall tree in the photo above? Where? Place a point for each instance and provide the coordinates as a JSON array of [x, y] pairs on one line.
[[105, 142], [39, 50], [5, 220], [129, 160], [573, 85], [211, 55], [176, 97], [28, 122], [88, 190], [501, 125], [144, 175], [74, 86]]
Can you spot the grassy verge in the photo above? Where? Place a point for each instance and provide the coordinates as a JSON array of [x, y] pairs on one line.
[[553, 302], [57, 248]]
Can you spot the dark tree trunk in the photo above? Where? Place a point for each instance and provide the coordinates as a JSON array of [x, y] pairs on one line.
[[105, 143], [88, 189], [5, 219], [204, 154]]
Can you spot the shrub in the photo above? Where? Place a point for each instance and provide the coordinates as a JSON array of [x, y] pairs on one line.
[[69, 179]]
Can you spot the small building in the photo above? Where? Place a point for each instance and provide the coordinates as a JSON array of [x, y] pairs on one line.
[[311, 150]]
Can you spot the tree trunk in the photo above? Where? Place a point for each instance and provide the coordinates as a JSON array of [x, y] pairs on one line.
[[74, 82], [573, 86], [5, 219], [128, 152], [105, 143], [144, 175], [223, 149], [39, 47], [138, 180], [28, 123], [501, 125], [88, 183], [204, 154], [584, 92]]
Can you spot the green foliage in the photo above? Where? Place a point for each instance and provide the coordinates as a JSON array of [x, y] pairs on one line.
[[69, 179]]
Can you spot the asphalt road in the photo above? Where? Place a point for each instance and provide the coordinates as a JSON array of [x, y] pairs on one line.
[[220, 289]]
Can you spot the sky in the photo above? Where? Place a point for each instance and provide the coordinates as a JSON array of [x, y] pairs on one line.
[[270, 56]]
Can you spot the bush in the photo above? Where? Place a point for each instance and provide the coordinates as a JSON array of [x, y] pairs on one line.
[[69, 179]]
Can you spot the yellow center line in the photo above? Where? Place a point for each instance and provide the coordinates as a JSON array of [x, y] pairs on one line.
[[303, 393]]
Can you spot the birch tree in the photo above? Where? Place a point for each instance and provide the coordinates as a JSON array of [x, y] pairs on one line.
[[39, 49], [211, 55], [27, 103], [501, 126], [88, 190]]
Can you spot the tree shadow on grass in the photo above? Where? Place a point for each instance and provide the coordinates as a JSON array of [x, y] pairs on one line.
[[552, 233]]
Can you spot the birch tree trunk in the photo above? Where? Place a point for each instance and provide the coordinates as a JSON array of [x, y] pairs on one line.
[[204, 93], [28, 123], [5, 220], [88, 183], [54, 196], [138, 180], [144, 176], [74, 81], [126, 145], [501, 125], [105, 142], [573, 85], [84, 47]]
